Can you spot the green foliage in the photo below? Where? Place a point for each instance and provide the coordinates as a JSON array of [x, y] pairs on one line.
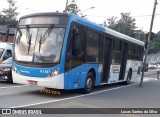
[[9, 15], [112, 22], [140, 35], [155, 45], [126, 25]]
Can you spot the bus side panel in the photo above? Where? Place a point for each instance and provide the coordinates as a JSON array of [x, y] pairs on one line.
[[133, 64], [75, 78]]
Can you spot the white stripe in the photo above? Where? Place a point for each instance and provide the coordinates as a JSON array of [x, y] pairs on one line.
[[52, 101], [13, 86], [146, 79]]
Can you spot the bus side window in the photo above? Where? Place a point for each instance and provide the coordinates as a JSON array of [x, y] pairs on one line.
[[93, 46], [76, 46], [75, 41]]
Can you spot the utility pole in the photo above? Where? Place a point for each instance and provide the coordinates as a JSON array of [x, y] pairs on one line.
[[66, 5], [147, 42]]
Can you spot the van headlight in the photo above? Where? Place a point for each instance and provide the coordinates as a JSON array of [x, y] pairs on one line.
[[6, 69], [1, 60], [54, 73]]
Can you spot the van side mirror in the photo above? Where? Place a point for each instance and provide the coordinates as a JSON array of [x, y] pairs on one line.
[[4, 57]]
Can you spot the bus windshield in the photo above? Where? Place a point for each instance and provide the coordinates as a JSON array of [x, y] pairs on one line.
[[1, 51], [39, 44]]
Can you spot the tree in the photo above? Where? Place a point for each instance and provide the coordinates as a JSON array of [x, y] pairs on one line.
[[9, 15], [72, 7], [140, 35], [155, 44], [111, 23], [2, 19], [126, 25]]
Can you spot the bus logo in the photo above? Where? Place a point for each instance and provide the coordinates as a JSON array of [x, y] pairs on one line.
[[24, 71]]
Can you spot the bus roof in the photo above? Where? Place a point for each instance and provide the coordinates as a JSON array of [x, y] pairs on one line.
[[46, 14]]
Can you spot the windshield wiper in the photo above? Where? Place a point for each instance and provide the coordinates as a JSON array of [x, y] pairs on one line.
[[45, 35], [29, 42], [19, 36], [40, 43], [28, 37]]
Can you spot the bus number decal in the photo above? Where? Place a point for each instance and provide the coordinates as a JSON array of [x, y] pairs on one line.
[[45, 71]]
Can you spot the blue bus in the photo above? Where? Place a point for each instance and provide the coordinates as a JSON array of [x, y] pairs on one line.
[[65, 51]]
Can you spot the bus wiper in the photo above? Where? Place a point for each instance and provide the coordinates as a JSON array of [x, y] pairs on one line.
[[40, 43], [28, 37], [19, 36], [45, 35], [29, 42]]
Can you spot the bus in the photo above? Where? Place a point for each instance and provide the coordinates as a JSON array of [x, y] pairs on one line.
[[65, 51]]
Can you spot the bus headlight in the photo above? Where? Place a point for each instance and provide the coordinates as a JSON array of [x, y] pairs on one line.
[[15, 70], [54, 73]]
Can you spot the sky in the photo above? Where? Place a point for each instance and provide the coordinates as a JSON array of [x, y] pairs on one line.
[[141, 10]]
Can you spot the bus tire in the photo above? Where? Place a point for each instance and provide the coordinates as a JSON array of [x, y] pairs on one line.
[[129, 76], [88, 84]]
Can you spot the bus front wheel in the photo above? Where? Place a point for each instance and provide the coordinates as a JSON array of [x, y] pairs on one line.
[[88, 84]]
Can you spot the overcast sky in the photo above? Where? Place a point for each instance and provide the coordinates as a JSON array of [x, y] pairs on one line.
[[139, 9]]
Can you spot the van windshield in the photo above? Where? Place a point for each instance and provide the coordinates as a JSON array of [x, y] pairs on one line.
[[1, 51]]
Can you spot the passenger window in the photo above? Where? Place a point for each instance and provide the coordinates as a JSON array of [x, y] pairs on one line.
[[118, 45], [92, 50], [75, 54]]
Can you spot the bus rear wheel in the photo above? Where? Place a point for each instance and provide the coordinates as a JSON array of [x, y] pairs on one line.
[[88, 84], [129, 76]]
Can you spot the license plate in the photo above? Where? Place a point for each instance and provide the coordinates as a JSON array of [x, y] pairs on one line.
[[32, 82]]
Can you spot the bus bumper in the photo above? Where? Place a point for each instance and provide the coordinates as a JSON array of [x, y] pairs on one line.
[[56, 82]]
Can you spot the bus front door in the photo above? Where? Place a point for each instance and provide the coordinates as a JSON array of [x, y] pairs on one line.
[[123, 61]]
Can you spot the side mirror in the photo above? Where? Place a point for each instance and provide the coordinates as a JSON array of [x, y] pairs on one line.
[[18, 39], [7, 33], [4, 57], [75, 31]]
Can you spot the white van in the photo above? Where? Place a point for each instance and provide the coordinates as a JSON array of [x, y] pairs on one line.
[[6, 51]]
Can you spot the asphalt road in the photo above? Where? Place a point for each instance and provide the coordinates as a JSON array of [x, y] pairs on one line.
[[107, 96]]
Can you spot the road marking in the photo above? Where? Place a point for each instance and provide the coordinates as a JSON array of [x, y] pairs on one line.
[[52, 101], [13, 86]]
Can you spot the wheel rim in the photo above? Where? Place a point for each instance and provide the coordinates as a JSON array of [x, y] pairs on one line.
[[89, 84]]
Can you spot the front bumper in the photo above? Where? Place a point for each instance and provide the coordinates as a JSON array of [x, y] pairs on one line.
[[5, 73], [56, 82]]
